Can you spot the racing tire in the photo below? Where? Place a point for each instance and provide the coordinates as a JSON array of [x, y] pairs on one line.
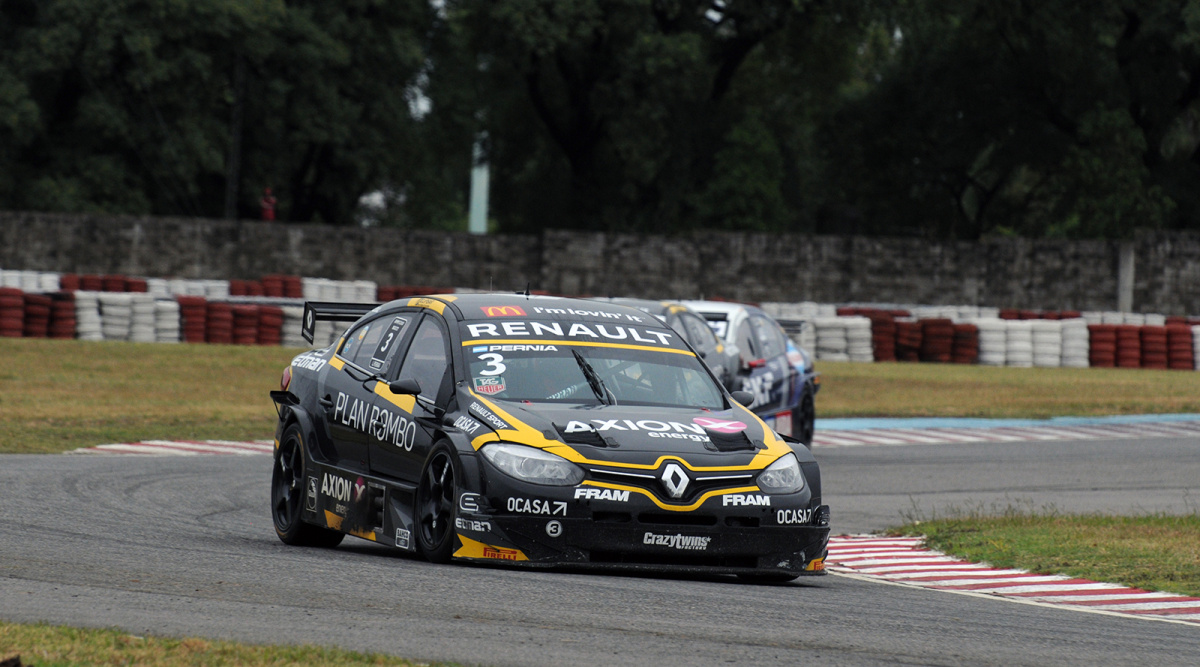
[[287, 496], [437, 505], [806, 423]]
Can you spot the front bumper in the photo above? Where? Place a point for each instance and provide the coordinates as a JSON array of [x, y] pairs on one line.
[[529, 525]]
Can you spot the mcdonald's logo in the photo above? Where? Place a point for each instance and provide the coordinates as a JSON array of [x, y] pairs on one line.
[[502, 311]]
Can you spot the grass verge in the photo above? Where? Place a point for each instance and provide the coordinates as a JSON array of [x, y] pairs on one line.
[[54, 646], [59, 395], [1153, 552]]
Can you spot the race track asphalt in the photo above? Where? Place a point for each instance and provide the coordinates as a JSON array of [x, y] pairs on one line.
[[183, 546]]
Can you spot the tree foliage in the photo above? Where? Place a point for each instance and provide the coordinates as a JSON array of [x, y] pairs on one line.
[[946, 119]]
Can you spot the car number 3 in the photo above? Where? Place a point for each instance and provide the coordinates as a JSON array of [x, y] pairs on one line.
[[495, 365]]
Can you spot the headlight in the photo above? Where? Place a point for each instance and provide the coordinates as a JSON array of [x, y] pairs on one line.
[[782, 476], [530, 464]]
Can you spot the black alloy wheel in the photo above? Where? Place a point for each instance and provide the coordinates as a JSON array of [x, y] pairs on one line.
[[436, 505], [288, 493], [805, 423]]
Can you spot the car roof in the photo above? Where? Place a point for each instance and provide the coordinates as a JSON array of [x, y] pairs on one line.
[[476, 306], [722, 307]]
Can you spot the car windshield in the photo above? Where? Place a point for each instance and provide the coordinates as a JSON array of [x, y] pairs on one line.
[[649, 366]]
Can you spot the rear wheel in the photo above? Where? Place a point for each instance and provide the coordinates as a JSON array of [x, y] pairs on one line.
[[287, 496], [436, 506], [806, 420]]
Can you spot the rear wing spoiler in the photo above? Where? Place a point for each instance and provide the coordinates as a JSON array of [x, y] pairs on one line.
[[331, 311]]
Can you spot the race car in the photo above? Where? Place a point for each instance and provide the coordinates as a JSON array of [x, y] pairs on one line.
[[539, 432], [779, 374], [693, 328]]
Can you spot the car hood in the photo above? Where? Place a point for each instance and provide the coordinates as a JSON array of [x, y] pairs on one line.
[[638, 435]]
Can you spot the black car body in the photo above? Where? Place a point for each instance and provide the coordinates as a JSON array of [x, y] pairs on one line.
[[535, 431]]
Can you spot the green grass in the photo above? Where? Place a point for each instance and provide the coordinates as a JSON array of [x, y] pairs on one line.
[[1155, 552], [55, 646], [953, 390], [60, 395]]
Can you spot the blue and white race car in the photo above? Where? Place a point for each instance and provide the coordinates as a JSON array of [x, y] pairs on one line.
[[775, 370]]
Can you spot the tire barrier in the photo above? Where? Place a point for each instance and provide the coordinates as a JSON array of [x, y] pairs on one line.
[[1196, 344], [245, 324], [908, 341], [167, 327], [87, 316], [12, 312], [1075, 342], [832, 344], [1047, 342], [142, 323], [291, 326], [1129, 346], [218, 323], [1180, 352], [193, 311], [1102, 345], [63, 322], [993, 341], [966, 344], [37, 316], [858, 339], [116, 314], [937, 340], [1154, 346], [1018, 344], [270, 325]]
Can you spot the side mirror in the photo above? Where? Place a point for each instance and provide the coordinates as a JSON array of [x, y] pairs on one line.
[[744, 397], [405, 386]]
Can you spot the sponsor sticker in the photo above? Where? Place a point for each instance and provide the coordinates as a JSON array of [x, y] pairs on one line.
[[337, 488], [467, 425], [309, 361], [479, 348], [488, 417], [473, 524], [501, 554], [489, 386], [677, 541], [720, 425], [790, 517], [387, 344], [593, 493], [381, 423], [553, 528], [745, 500], [625, 334], [502, 311], [310, 500], [538, 506], [469, 502], [403, 539], [360, 490]]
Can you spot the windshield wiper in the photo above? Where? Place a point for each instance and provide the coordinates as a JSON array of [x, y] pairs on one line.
[[594, 381]]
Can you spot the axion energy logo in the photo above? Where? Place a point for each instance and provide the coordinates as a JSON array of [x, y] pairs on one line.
[[720, 425], [502, 311]]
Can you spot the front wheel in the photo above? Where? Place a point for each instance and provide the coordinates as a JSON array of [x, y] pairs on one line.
[[287, 494], [436, 504]]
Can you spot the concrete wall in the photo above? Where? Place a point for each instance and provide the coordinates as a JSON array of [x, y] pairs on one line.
[[1016, 273]]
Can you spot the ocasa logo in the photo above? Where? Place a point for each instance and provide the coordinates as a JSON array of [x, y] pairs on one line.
[[502, 311]]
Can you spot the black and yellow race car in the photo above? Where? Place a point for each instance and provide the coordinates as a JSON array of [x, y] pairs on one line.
[[537, 431]]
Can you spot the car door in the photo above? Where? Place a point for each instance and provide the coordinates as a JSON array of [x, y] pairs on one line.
[[403, 442], [345, 395], [776, 376]]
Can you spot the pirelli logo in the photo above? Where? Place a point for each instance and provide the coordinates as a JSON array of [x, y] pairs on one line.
[[502, 311], [501, 554]]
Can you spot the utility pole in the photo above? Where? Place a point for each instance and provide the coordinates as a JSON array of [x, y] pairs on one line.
[[480, 178]]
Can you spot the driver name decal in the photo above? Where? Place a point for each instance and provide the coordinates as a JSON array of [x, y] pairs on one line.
[[380, 423]]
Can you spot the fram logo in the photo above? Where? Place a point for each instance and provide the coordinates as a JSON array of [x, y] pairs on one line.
[[502, 311]]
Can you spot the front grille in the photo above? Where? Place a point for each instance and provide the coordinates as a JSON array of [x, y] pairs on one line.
[[697, 485], [677, 519], [673, 559]]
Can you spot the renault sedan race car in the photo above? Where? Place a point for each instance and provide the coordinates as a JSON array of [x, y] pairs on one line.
[[535, 431]]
